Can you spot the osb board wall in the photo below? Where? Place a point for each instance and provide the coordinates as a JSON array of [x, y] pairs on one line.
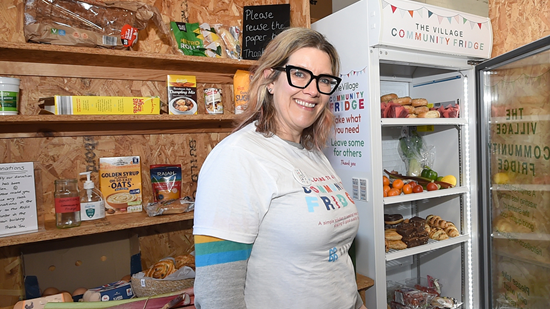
[[11, 280], [226, 12], [518, 22], [65, 156]]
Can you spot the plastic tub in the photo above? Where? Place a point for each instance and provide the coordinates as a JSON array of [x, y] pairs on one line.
[[9, 95]]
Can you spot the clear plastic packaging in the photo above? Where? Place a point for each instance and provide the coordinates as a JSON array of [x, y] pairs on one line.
[[176, 206]]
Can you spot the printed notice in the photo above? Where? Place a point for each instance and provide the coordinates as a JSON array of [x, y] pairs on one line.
[[17, 199]]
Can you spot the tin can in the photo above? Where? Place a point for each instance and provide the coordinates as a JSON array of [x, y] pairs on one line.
[[213, 100]]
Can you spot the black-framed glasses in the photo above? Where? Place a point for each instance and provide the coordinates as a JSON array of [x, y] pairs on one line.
[[301, 78]]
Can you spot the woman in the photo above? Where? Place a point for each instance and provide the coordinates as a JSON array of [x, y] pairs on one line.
[[273, 223]]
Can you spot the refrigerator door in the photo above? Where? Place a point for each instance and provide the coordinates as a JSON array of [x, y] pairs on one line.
[[514, 152]]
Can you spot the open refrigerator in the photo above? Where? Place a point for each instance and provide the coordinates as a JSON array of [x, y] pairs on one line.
[[421, 51]]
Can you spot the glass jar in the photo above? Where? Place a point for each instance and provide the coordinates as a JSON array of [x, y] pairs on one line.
[[67, 203]]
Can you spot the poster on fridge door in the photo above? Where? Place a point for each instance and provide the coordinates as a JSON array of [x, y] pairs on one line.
[[346, 147], [424, 27]]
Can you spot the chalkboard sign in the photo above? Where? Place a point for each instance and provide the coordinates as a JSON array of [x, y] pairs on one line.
[[261, 23], [17, 199]]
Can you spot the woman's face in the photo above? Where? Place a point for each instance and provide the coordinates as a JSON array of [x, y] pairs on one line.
[[297, 108]]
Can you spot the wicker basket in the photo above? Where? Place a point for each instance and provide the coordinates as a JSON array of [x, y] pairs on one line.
[[146, 287]]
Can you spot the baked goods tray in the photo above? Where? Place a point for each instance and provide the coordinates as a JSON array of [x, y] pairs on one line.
[[393, 254]]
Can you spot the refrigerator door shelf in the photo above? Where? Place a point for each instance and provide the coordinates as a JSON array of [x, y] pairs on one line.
[[430, 246], [424, 195]]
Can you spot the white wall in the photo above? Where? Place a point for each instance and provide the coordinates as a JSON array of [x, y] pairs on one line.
[[477, 7]]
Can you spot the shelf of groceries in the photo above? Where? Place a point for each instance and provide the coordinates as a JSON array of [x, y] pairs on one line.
[[424, 195], [432, 244], [48, 231], [51, 60]]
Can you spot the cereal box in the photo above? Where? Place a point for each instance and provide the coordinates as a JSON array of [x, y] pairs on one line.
[[120, 183], [101, 105], [182, 94]]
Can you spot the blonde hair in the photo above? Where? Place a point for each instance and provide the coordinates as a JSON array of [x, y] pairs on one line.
[[260, 104]]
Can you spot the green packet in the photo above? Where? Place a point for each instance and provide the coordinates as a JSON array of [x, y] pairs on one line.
[[189, 38]]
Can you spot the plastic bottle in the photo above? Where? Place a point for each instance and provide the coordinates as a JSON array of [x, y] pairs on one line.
[[67, 203], [92, 204]]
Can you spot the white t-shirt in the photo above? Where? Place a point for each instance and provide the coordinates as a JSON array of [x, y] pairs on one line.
[[292, 206]]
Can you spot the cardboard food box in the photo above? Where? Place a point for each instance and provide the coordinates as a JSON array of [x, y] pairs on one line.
[[120, 183], [182, 94], [99, 105], [112, 291]]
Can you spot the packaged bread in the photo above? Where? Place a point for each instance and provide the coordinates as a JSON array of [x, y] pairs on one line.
[[91, 23], [168, 207], [230, 38]]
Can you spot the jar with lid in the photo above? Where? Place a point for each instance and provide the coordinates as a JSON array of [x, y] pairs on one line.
[[67, 203]]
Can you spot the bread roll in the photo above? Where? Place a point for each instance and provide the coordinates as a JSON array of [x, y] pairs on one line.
[[421, 109], [409, 109], [402, 101], [419, 102], [388, 97], [429, 114]]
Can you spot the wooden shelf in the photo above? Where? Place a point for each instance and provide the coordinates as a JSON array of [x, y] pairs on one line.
[[108, 224], [72, 125], [56, 60]]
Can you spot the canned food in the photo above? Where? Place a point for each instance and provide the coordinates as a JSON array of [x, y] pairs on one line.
[[213, 100]]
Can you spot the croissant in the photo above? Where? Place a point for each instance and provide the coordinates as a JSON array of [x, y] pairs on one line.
[[451, 230], [436, 221], [427, 228], [161, 269], [438, 234]]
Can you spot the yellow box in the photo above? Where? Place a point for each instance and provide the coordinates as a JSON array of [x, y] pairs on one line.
[[100, 105], [120, 183]]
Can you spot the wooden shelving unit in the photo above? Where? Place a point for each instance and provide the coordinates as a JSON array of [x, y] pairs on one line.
[[48, 230]]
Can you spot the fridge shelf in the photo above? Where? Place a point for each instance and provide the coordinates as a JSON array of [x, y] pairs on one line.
[[424, 195], [523, 259], [422, 121], [430, 246], [522, 236], [520, 187]]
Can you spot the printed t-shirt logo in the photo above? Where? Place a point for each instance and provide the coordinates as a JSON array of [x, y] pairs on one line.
[[301, 177]]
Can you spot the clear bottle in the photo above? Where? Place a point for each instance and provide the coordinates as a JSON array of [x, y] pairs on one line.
[[67, 203], [92, 205]]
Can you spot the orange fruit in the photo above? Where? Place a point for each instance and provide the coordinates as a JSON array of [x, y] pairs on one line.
[[386, 181], [386, 189], [407, 189], [398, 184], [393, 192]]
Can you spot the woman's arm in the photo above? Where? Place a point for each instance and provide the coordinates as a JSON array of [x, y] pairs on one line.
[[220, 273]]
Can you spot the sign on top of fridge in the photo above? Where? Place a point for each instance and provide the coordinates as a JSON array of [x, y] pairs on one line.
[[416, 25]]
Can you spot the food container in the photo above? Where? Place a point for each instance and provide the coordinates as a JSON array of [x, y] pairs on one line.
[[9, 95], [213, 100]]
